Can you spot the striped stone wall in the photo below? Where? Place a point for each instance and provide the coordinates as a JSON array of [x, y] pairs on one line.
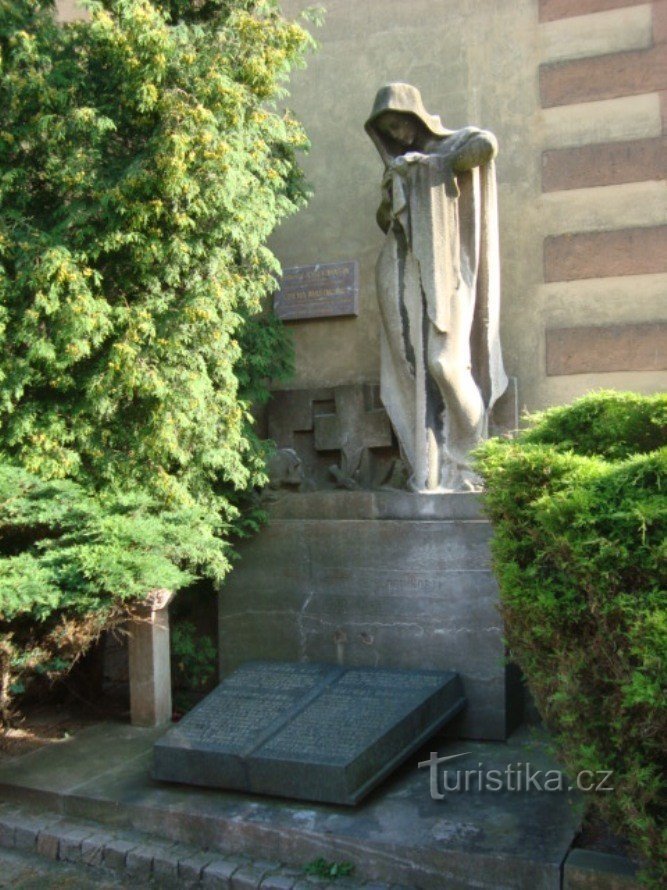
[[603, 94]]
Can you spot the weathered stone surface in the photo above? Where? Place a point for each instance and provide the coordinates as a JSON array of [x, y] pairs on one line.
[[590, 870], [219, 873], [70, 843], [27, 831], [92, 849], [278, 882], [191, 867], [139, 862], [414, 592], [48, 843], [116, 852], [307, 731], [247, 878]]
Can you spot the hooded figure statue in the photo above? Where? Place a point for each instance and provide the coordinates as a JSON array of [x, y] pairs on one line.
[[438, 282]]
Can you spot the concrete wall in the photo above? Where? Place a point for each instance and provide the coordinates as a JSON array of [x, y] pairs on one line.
[[583, 201]]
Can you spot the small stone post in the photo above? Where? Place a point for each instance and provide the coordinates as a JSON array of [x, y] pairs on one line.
[[150, 666]]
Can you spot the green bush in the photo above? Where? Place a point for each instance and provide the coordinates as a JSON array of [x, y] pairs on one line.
[[73, 563], [579, 511], [144, 162]]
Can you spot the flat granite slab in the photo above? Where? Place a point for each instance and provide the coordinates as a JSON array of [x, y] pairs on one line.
[[307, 731]]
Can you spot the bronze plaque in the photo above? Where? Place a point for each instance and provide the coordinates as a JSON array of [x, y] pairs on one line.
[[324, 290]]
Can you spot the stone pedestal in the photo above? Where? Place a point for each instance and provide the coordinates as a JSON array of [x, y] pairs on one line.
[[379, 579], [150, 663]]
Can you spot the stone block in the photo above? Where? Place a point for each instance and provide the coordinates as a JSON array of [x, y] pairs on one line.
[[247, 878], [278, 882], [165, 862], [92, 849], [218, 874], [139, 862], [191, 867], [7, 829], [115, 853], [71, 842], [26, 832], [48, 843]]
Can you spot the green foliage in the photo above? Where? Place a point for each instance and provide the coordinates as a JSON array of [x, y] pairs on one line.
[[579, 512], [142, 168], [143, 164], [322, 868], [194, 657], [72, 562]]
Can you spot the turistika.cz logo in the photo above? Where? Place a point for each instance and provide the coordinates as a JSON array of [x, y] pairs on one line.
[[516, 777]]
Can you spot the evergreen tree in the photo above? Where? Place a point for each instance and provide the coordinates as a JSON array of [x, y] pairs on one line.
[[144, 161]]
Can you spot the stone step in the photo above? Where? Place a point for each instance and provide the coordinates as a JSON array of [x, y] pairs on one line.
[[152, 860], [470, 840]]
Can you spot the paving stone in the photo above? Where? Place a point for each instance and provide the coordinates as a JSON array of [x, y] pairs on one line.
[[191, 867], [219, 873], [139, 862], [92, 849], [26, 830], [70, 844], [115, 852], [165, 862], [48, 843], [7, 829], [248, 878], [278, 882]]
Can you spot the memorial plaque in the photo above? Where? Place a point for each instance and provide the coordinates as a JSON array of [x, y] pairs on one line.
[[325, 290], [307, 731]]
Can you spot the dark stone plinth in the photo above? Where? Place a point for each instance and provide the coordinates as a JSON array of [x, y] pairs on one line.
[[307, 731]]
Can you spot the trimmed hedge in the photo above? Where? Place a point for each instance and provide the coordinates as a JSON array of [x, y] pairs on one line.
[[579, 511]]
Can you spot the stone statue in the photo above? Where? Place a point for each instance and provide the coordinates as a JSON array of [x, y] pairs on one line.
[[438, 287]]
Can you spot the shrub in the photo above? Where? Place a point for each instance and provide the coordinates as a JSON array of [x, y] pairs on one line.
[[579, 512], [143, 165], [73, 563]]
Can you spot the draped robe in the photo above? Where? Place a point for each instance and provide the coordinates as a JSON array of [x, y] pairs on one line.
[[439, 266]]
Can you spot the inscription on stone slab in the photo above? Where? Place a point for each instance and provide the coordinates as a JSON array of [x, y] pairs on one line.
[[307, 731], [324, 290]]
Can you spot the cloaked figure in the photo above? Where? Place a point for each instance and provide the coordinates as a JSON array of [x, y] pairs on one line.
[[438, 282]]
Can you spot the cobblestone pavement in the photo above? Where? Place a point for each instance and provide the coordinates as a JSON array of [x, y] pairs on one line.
[[29, 871], [39, 850]]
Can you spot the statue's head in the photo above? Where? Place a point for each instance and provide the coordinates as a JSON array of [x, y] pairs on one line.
[[403, 128], [399, 121]]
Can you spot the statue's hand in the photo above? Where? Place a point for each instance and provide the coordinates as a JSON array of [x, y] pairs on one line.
[[402, 162], [479, 149]]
